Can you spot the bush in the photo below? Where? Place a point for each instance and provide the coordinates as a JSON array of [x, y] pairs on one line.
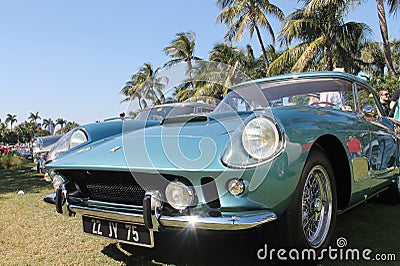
[[11, 160]]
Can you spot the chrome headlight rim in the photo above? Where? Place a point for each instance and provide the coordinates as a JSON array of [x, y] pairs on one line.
[[63, 145], [265, 130], [184, 204], [58, 181], [83, 135], [235, 146]]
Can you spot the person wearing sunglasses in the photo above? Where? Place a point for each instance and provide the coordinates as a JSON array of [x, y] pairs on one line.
[[384, 99]]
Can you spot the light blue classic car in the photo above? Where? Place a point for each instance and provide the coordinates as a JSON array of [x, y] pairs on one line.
[[40, 147], [295, 149]]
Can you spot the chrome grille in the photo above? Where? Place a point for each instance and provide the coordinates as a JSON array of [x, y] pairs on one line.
[[114, 187], [118, 193]]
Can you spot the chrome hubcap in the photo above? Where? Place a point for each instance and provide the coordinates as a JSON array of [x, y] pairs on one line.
[[316, 206]]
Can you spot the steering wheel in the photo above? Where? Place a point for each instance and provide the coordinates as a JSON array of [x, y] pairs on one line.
[[323, 103]]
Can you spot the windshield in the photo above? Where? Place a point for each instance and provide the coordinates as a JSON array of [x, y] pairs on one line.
[[235, 102], [154, 113], [161, 112], [323, 92]]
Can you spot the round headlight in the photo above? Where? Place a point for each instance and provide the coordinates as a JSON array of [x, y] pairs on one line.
[[179, 195], [57, 181], [260, 138], [77, 138]]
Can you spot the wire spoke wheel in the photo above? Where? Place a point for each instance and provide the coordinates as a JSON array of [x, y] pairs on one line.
[[317, 206]]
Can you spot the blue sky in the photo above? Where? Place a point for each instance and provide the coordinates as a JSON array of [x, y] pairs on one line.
[[71, 58]]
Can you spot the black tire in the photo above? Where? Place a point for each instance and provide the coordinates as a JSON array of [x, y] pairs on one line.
[[310, 219]]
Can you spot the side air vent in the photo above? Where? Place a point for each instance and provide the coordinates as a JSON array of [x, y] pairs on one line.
[[210, 192]]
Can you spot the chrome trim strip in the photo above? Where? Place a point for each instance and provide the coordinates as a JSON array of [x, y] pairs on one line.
[[226, 222], [107, 214], [218, 223], [339, 212]]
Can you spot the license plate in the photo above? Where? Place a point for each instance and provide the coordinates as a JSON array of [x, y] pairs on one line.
[[124, 232]]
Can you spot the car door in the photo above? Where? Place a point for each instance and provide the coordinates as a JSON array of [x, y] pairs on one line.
[[381, 150]]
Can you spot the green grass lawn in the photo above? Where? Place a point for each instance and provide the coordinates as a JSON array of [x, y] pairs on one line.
[[32, 233]]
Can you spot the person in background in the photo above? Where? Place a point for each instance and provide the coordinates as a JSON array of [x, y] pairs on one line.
[[394, 98], [384, 99], [354, 146]]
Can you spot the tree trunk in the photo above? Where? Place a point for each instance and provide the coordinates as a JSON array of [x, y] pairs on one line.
[[232, 70], [385, 39], [329, 57], [189, 71], [262, 48]]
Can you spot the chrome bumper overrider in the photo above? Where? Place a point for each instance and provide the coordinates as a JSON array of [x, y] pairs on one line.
[[225, 221]]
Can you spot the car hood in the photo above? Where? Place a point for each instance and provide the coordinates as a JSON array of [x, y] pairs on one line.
[[187, 142]]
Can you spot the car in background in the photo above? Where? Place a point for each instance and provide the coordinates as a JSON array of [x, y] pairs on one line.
[[288, 149], [4, 148], [24, 150], [40, 148]]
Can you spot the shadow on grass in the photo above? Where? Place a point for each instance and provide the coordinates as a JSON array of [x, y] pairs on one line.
[[374, 226], [203, 248], [21, 179]]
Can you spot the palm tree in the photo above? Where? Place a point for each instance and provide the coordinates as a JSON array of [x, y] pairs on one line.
[[69, 126], [372, 53], [145, 84], [254, 66], [181, 49], [49, 124], [393, 4], [242, 15], [228, 55], [33, 117], [242, 59], [212, 80], [322, 36], [11, 119], [225, 54], [61, 122], [395, 48], [131, 90], [3, 128]]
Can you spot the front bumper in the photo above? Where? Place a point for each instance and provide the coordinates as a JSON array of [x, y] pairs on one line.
[[150, 217]]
